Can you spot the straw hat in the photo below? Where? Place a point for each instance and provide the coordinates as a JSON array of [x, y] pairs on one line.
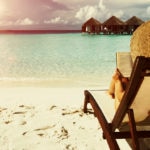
[[140, 41]]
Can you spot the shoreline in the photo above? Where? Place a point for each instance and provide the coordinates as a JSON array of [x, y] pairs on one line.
[[52, 83]]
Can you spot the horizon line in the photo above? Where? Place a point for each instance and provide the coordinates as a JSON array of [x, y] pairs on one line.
[[35, 31]]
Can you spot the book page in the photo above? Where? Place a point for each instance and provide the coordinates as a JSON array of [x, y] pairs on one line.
[[124, 63]]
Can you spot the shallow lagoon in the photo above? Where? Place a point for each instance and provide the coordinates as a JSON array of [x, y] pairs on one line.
[[55, 60]]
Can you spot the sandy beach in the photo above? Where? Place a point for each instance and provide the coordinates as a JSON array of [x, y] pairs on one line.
[[50, 119]]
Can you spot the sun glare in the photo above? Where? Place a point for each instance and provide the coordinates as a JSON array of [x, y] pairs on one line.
[[2, 8]]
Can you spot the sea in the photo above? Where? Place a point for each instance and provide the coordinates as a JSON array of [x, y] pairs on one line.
[[59, 60]]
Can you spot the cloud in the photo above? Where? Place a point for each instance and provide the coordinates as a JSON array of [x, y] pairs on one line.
[[68, 12], [56, 20], [101, 6], [77, 3], [127, 3], [119, 13], [37, 10], [119, 8], [148, 10], [6, 23], [26, 21], [99, 11], [86, 12]]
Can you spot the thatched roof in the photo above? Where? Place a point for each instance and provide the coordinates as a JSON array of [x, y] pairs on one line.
[[134, 21], [113, 21], [139, 44], [92, 21]]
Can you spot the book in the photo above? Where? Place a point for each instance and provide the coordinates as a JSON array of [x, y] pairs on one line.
[[124, 63]]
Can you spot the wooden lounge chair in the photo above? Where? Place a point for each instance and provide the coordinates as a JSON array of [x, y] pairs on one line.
[[137, 96]]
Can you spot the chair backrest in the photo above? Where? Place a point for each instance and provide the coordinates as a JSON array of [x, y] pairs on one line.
[[137, 94]]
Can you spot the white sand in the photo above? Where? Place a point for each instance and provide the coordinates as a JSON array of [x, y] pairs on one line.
[[48, 119]]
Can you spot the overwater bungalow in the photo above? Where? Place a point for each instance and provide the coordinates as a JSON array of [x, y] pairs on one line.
[[91, 26], [113, 26], [132, 24]]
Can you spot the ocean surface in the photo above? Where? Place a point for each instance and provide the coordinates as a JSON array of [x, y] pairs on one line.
[[56, 60]]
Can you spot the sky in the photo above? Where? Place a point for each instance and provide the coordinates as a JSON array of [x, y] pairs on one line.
[[67, 14]]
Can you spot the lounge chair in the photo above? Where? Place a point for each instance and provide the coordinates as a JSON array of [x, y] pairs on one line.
[[135, 105]]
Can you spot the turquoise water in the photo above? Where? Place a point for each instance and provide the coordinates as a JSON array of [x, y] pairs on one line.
[[59, 59]]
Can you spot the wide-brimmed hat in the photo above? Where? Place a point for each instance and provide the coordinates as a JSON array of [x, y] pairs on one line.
[[140, 41]]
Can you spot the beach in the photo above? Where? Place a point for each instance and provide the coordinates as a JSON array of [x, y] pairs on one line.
[[48, 118], [42, 83]]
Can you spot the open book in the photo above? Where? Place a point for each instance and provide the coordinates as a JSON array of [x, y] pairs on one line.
[[124, 63]]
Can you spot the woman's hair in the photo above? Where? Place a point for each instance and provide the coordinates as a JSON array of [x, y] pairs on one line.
[[140, 41]]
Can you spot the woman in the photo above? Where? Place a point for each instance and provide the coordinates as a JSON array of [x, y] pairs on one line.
[[117, 87], [140, 46]]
